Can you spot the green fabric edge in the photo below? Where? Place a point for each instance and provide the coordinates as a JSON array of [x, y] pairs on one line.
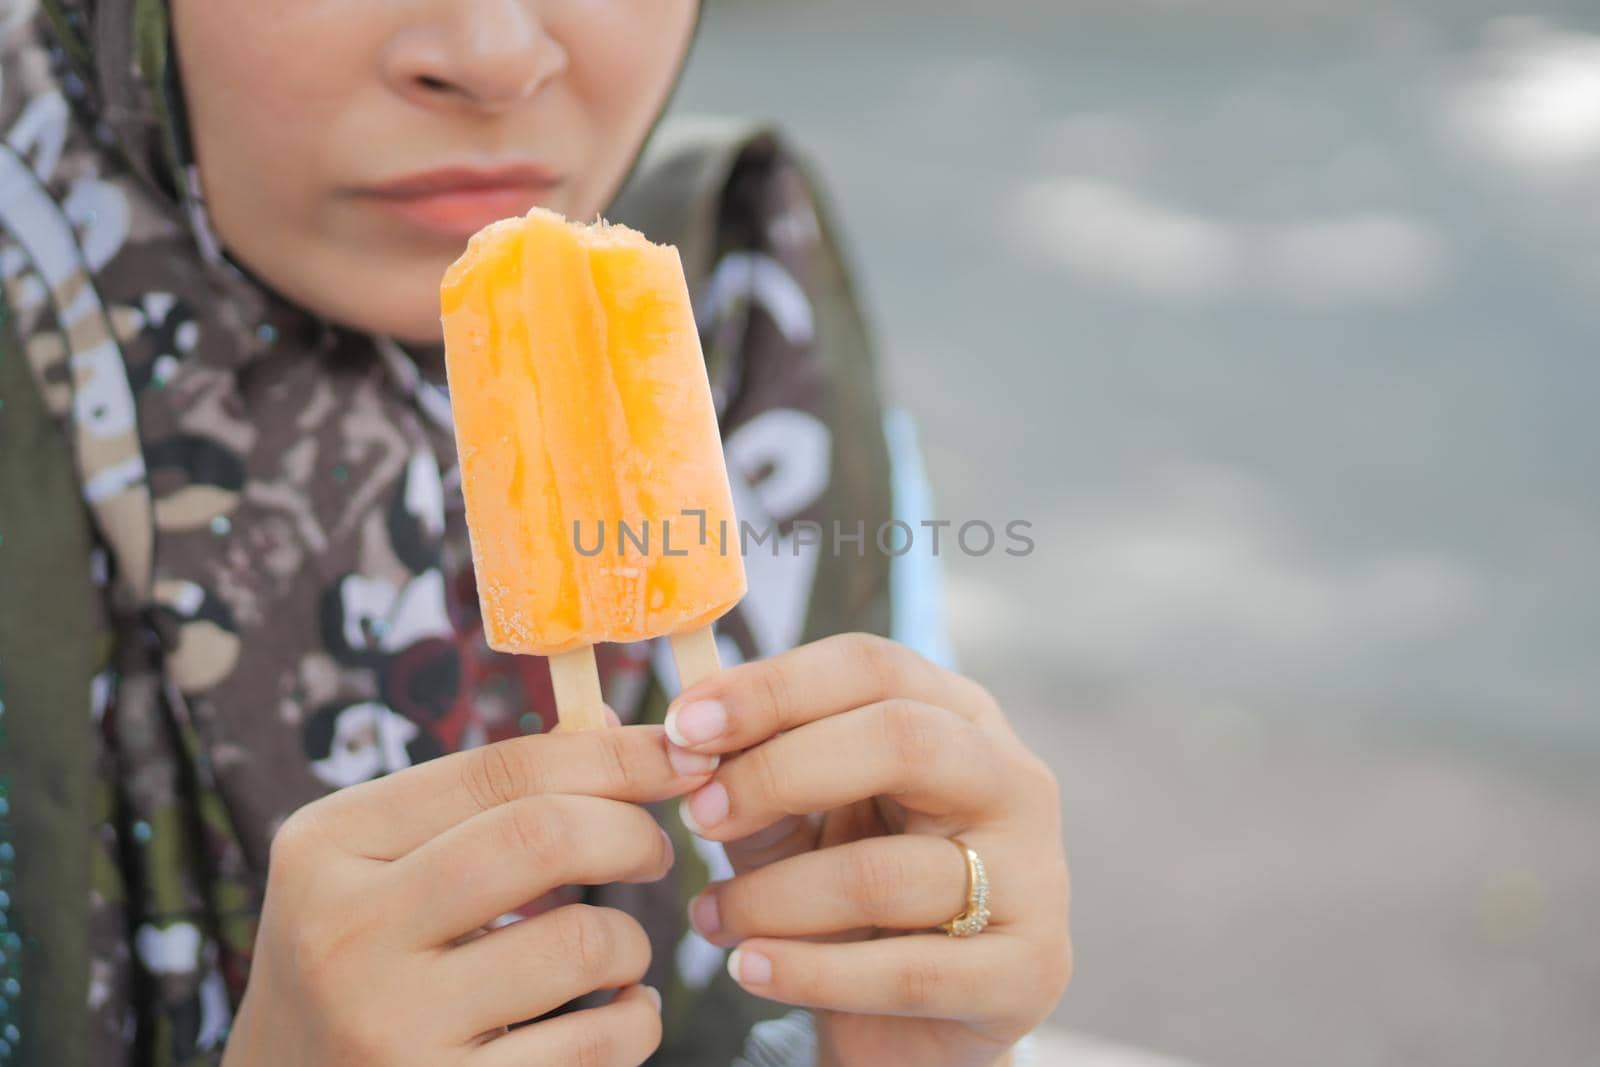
[[49, 650], [72, 42], [153, 47]]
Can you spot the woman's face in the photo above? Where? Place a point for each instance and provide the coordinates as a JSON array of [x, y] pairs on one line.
[[348, 148]]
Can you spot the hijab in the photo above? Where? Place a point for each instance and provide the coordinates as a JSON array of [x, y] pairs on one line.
[[279, 588]]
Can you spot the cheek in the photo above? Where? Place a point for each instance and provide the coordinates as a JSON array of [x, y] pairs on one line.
[[262, 83], [622, 57], [625, 52]]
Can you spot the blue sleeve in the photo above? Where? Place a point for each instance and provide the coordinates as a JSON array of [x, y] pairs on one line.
[[916, 578]]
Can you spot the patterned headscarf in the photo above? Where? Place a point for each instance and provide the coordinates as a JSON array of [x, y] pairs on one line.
[[282, 599]]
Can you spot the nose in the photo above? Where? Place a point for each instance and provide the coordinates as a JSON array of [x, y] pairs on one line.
[[483, 55]]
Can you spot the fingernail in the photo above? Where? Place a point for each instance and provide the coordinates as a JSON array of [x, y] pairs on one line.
[[749, 968], [654, 994], [697, 723], [669, 851], [689, 763], [705, 808], [704, 915]]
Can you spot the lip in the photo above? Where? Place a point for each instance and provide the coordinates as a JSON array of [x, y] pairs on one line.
[[460, 201]]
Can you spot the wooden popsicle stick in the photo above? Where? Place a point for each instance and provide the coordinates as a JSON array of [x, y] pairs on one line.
[[695, 653], [576, 680]]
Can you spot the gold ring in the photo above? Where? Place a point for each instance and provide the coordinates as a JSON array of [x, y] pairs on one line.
[[976, 916]]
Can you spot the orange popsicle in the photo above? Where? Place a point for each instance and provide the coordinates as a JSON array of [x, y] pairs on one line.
[[597, 497]]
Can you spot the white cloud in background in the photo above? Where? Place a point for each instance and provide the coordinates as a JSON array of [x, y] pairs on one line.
[[1106, 233], [1113, 236], [1207, 560], [1527, 100], [1356, 259], [1532, 98]]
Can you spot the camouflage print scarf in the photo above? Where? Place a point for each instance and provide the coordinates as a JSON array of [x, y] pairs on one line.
[[234, 564]]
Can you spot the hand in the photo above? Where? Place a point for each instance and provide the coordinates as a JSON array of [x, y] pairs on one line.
[[848, 764], [367, 951]]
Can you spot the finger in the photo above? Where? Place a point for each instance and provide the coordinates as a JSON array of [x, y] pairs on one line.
[[507, 856], [528, 968], [923, 975], [623, 1033], [928, 759], [388, 817], [906, 882], [749, 703]]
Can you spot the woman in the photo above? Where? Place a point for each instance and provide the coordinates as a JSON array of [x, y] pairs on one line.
[[224, 223]]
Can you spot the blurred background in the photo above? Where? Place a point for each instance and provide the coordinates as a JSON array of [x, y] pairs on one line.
[[1277, 319]]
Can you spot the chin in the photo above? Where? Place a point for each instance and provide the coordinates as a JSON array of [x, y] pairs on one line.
[[402, 308], [406, 326], [418, 333]]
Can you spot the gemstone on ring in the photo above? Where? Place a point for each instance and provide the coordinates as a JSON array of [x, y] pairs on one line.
[[976, 915]]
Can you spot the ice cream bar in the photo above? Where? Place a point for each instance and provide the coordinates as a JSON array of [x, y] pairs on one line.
[[597, 498]]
